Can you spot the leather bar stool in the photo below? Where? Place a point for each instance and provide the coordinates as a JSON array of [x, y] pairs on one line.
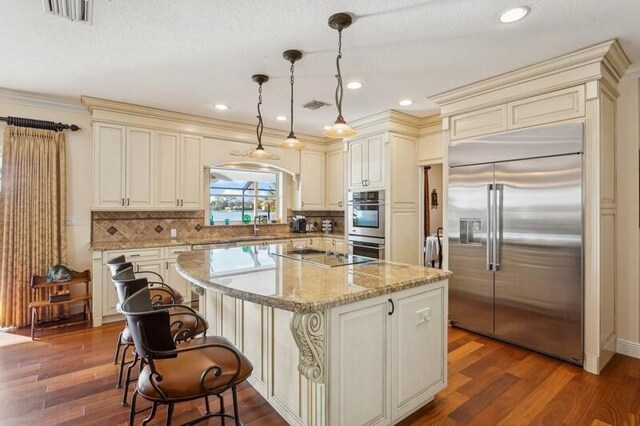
[[171, 374], [160, 293], [186, 322]]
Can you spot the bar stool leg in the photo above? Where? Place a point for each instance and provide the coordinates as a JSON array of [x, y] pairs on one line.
[[235, 405], [169, 414], [118, 345]]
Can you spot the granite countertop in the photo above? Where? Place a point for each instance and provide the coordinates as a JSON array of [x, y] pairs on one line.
[[120, 245], [256, 274]]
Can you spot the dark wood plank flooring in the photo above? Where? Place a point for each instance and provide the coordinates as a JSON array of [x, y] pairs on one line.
[[67, 378]]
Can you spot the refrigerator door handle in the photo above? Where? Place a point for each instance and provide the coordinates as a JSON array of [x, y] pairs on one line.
[[497, 242], [489, 263]]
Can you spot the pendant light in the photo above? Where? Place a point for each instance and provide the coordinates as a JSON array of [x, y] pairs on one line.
[[259, 153], [340, 128], [292, 141]]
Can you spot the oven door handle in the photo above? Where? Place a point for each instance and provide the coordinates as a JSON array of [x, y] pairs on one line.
[[351, 203], [368, 247]]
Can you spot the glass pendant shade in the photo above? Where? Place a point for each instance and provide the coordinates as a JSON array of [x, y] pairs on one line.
[[339, 130], [291, 142], [259, 154]]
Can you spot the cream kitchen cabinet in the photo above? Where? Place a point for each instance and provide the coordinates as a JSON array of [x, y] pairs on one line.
[[336, 245], [159, 262], [366, 163], [403, 335], [335, 186], [179, 165], [123, 167], [312, 180]]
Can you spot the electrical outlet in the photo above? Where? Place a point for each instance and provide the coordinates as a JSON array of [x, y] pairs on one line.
[[173, 233], [423, 315]]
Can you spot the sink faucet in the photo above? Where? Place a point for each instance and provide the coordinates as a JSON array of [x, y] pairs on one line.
[[255, 226]]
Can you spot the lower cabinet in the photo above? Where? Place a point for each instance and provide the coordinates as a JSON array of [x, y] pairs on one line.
[[388, 356], [385, 356], [160, 263]]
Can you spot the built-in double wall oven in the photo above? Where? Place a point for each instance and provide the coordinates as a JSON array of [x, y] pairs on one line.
[[365, 215]]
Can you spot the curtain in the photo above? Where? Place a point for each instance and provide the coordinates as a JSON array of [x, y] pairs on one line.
[[34, 210]]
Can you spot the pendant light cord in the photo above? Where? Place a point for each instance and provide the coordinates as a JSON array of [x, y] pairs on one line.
[[292, 81], [260, 126], [339, 76]]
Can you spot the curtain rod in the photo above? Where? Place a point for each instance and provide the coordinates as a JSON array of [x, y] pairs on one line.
[[39, 124]]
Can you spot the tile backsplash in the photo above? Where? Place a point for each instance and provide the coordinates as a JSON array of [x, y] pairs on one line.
[[126, 226]]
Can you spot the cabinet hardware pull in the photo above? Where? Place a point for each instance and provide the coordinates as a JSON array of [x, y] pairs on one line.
[[137, 268], [393, 307], [123, 201], [127, 201], [177, 203], [134, 255], [303, 204], [166, 265], [181, 202]]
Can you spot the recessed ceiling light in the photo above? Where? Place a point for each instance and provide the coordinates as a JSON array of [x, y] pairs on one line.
[[405, 102], [354, 85], [514, 15], [281, 118], [326, 127], [221, 107]]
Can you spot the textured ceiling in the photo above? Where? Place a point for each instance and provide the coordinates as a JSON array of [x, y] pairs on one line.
[[187, 55]]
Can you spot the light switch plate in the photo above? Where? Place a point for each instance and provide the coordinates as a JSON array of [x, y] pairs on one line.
[[173, 233], [74, 221]]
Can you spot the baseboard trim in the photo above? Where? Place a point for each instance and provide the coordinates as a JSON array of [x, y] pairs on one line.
[[626, 347]]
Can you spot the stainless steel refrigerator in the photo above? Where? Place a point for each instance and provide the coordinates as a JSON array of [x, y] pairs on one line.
[[515, 218]]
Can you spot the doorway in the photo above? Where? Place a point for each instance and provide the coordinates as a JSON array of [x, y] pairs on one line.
[[433, 217]]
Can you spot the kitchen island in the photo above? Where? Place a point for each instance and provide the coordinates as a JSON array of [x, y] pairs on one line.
[[332, 341]]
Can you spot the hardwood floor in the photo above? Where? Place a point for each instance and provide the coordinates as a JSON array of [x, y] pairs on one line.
[[493, 383], [68, 378]]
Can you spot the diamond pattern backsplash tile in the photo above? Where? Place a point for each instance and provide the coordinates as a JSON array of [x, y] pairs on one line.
[[114, 226]]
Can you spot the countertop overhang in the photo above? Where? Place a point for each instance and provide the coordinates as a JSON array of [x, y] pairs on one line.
[[255, 274]]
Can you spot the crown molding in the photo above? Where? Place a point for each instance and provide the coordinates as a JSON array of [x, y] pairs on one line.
[[633, 72], [387, 121], [41, 101], [608, 59], [96, 105], [430, 120]]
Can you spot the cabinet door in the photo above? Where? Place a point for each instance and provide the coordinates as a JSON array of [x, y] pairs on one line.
[[191, 172], [139, 163], [167, 164], [109, 160], [155, 267], [419, 340], [109, 294], [335, 180], [360, 352], [176, 281], [375, 162], [312, 180], [357, 163]]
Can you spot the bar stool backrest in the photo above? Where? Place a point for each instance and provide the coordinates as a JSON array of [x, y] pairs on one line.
[[113, 264], [149, 328]]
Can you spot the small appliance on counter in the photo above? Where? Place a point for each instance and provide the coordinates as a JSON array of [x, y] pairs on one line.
[[299, 224]]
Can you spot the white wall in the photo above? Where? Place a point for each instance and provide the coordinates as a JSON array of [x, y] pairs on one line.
[[79, 169], [628, 243]]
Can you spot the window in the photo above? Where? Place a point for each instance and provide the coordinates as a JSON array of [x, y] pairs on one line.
[[241, 195]]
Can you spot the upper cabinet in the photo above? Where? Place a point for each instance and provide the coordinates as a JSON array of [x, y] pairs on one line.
[[179, 160], [123, 166], [366, 163], [312, 180], [335, 187], [144, 169]]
